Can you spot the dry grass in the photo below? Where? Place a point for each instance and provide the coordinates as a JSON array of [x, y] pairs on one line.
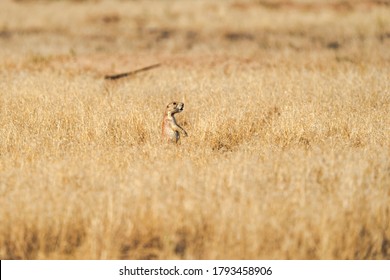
[[287, 111]]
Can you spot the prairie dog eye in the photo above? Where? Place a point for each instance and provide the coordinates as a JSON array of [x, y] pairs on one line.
[[174, 103]]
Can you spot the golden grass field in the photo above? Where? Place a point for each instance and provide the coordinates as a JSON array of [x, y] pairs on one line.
[[287, 107]]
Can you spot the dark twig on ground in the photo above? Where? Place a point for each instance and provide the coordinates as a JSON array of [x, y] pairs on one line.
[[126, 74]]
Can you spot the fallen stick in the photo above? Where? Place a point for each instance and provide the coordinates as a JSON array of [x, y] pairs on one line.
[[126, 74]]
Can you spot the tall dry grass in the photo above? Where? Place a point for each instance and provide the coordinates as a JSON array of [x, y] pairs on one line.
[[287, 111]]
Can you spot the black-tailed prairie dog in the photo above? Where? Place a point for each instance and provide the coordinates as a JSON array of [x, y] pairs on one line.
[[170, 129]]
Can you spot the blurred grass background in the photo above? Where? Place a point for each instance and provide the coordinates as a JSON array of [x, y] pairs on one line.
[[287, 111]]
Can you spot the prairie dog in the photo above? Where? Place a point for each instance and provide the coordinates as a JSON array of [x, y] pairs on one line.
[[170, 129]]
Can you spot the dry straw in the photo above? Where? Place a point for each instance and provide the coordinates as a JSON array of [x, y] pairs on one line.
[[287, 112]]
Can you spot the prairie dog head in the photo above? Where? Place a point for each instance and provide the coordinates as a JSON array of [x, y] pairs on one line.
[[174, 107]]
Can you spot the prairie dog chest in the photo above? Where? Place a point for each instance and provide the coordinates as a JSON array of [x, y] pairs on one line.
[[168, 130]]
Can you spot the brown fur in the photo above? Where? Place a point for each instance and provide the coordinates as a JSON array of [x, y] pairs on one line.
[[170, 129]]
